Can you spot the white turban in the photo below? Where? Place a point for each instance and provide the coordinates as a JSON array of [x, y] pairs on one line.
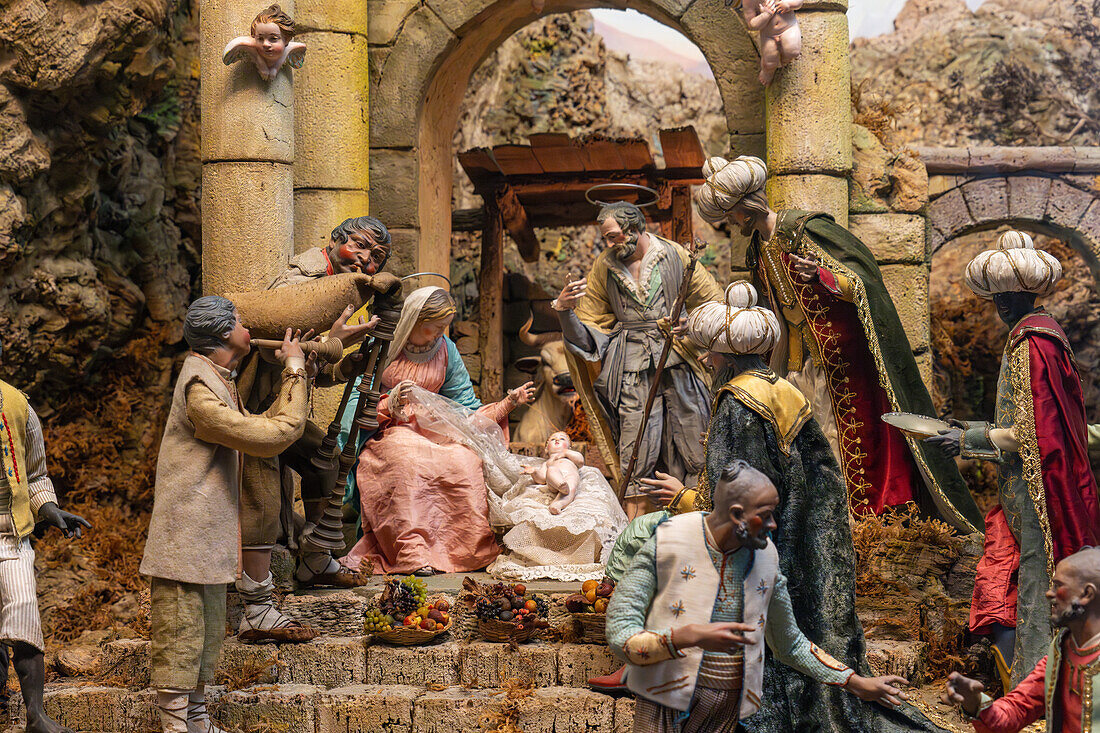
[[738, 326], [1015, 266], [727, 183]]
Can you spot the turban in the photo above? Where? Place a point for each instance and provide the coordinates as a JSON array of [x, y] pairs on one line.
[[1015, 266], [737, 326], [727, 183]]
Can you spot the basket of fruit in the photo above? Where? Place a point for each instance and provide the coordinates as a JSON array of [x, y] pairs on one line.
[[405, 617], [506, 613], [589, 610]]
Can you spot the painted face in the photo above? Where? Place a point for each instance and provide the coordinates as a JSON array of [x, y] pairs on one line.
[[426, 333], [716, 361], [622, 243], [558, 443], [745, 221], [238, 340], [757, 520], [1064, 596], [271, 41], [361, 253]]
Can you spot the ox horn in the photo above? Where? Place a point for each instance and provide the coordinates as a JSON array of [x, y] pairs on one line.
[[537, 340]]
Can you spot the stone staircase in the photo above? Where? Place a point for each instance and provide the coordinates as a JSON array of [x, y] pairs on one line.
[[342, 682]]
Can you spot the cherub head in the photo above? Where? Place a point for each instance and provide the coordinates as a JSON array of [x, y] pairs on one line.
[[557, 444], [272, 29]]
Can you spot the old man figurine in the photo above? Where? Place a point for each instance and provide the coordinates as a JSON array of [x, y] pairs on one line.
[[360, 244], [612, 317], [26, 494], [1048, 502], [695, 607], [193, 547], [1062, 687], [827, 289]]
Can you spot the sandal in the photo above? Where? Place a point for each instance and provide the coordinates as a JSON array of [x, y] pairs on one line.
[[425, 572], [342, 578], [282, 630]]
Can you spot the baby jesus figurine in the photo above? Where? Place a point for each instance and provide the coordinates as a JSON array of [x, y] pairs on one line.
[[780, 36], [560, 471]]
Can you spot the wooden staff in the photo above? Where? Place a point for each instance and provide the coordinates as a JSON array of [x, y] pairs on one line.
[[674, 318], [328, 534]]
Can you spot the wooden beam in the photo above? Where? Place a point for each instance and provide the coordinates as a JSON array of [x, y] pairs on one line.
[[491, 304], [682, 230], [517, 160], [557, 153], [681, 148], [518, 225], [479, 166]]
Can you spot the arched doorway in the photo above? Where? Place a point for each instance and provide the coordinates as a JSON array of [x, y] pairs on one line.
[[420, 81]]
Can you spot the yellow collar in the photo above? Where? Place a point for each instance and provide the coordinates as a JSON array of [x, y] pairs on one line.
[[774, 399]]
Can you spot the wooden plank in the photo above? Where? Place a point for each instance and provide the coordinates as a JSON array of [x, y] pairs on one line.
[[557, 153], [517, 160], [603, 155], [479, 166], [635, 155], [681, 230], [682, 149], [515, 220], [491, 304]]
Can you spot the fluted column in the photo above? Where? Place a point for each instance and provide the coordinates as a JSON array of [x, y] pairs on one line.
[[808, 115], [331, 119], [247, 157]]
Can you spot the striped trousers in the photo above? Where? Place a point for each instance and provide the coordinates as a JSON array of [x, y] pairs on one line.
[[19, 619]]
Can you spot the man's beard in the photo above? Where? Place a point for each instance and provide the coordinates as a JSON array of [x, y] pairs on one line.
[[747, 539], [1063, 619], [626, 250]]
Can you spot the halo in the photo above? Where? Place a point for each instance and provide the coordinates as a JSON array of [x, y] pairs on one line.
[[635, 186], [427, 274]]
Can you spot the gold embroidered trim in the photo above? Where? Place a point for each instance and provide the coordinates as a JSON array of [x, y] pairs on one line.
[[1088, 677], [1029, 444], [783, 406], [863, 307]]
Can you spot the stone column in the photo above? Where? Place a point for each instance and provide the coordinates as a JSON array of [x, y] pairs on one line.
[[808, 114], [331, 119], [247, 157]]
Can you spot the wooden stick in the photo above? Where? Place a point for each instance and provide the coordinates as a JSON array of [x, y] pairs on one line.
[[331, 350], [674, 318]]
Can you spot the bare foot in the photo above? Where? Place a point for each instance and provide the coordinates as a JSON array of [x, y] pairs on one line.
[[45, 724]]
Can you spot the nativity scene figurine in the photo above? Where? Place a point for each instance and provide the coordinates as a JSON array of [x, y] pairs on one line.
[[268, 45]]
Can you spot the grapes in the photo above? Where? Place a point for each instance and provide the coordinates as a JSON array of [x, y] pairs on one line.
[[486, 609], [542, 606], [377, 622], [402, 597]]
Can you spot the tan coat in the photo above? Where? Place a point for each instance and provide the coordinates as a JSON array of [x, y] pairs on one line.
[[194, 533]]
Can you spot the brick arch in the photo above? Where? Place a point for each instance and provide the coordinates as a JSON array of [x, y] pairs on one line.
[[420, 75], [1059, 206]]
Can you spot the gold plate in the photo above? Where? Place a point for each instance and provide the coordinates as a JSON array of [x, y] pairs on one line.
[[915, 426]]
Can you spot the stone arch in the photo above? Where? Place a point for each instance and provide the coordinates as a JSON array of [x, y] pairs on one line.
[[421, 65], [1060, 206]]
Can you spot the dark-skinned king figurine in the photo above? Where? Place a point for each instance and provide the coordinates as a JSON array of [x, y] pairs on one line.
[[1048, 505], [26, 496], [193, 548]]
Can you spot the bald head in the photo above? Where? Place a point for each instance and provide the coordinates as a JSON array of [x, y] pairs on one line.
[[1075, 588], [1084, 566], [741, 484]]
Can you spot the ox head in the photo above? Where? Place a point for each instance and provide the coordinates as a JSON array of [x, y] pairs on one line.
[[550, 367]]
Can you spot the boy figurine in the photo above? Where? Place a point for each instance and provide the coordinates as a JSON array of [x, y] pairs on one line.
[[268, 44], [1063, 684], [194, 533], [26, 493], [561, 471], [696, 604]]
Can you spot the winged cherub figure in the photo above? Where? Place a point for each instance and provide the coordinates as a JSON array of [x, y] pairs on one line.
[[269, 45]]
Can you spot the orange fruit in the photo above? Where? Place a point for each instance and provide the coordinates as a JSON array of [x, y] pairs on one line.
[[589, 585], [590, 595], [600, 606]]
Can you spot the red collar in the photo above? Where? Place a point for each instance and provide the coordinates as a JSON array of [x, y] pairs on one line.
[[328, 262]]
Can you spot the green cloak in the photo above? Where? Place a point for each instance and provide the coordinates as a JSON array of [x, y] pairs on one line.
[[946, 494]]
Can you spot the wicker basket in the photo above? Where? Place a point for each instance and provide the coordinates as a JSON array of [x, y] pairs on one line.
[[589, 627], [410, 635], [503, 631]]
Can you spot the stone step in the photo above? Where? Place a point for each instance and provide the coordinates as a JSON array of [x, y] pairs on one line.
[[289, 708], [331, 662]]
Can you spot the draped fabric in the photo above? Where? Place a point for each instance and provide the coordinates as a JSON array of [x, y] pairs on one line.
[[817, 556], [873, 371]]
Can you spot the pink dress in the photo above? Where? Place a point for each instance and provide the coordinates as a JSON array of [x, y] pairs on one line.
[[423, 501]]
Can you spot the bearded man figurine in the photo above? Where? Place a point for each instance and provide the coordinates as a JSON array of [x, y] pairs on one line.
[[1048, 503]]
